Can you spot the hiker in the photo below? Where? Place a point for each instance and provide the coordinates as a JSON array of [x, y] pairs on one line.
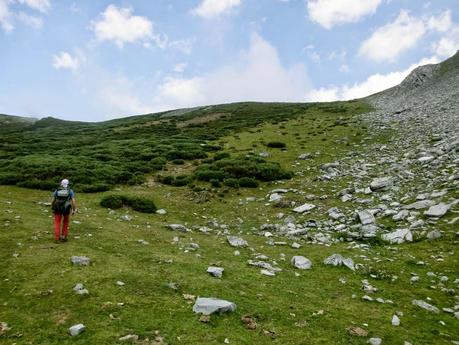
[[63, 203]]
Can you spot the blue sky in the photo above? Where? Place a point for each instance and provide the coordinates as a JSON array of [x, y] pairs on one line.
[[96, 60]]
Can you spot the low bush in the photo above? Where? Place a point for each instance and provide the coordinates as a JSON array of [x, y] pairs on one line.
[[116, 201], [248, 182], [178, 162], [94, 188], [276, 144], [231, 182]]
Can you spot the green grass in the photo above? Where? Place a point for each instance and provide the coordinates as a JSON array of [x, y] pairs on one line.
[[36, 288]]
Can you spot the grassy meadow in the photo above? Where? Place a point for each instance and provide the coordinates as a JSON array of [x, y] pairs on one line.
[[295, 307]]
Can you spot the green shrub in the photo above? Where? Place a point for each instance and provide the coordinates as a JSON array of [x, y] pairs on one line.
[[178, 162], [141, 204], [207, 175], [94, 188], [248, 182], [38, 184], [113, 201], [221, 155], [136, 203], [215, 183], [231, 182], [276, 144]]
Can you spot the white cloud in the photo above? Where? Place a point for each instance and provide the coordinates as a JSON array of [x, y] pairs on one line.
[[39, 5], [329, 13], [215, 8], [257, 75], [180, 67], [390, 40], [120, 26], [65, 61], [5, 16], [441, 23], [8, 18], [448, 45], [374, 83], [344, 68], [33, 21]]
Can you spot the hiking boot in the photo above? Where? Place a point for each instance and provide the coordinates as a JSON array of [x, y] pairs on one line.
[[64, 239]]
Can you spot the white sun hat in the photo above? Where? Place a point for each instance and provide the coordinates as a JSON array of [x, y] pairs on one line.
[[65, 183]]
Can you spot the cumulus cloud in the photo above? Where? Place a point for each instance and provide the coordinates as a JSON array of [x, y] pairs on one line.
[[39, 5], [120, 26], [374, 83], [257, 76], [5, 16], [448, 45], [214, 8], [32, 21], [440, 23], [329, 13], [64, 60], [8, 18], [392, 39]]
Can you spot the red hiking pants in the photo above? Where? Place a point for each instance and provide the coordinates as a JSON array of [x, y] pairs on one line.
[[57, 225]]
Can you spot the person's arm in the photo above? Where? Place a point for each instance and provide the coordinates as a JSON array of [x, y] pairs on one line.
[[74, 206]]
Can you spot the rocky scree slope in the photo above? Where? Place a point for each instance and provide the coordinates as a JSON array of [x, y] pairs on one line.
[[403, 178]]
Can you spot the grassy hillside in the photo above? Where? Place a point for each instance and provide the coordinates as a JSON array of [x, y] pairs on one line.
[[163, 269], [97, 156]]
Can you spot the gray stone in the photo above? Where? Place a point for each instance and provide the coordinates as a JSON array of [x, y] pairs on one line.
[[381, 183], [437, 210], [305, 156], [210, 305], [161, 211], [178, 227], [275, 197], [80, 261], [235, 241], [398, 236], [80, 290], [433, 235], [395, 320], [366, 217], [339, 260], [304, 208], [130, 337], [335, 213], [426, 306], [301, 262], [375, 341], [217, 272], [268, 273], [418, 205], [76, 329], [401, 215]]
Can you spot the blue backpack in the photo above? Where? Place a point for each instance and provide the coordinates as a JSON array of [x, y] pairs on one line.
[[62, 202]]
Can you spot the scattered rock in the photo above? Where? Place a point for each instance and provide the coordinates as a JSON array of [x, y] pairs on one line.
[[207, 306], [399, 236], [381, 183], [129, 337], [178, 227], [216, 272], [301, 262], [426, 306], [235, 241], [80, 261], [80, 290], [76, 329], [437, 210], [375, 341], [161, 211], [366, 217], [434, 235], [339, 260], [304, 208], [395, 320]]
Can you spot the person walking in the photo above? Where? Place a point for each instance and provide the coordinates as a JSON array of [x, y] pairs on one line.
[[63, 204]]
